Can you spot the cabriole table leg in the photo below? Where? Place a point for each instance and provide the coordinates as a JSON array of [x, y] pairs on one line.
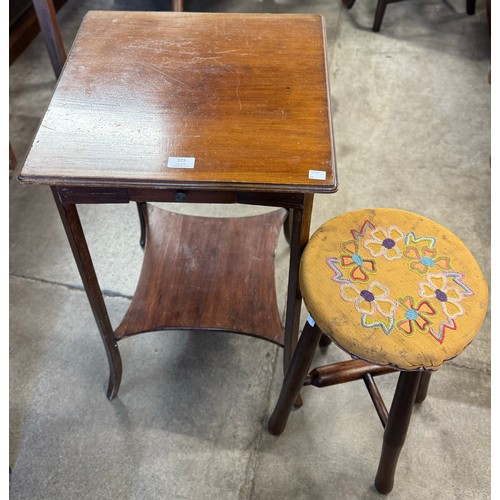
[[81, 254]]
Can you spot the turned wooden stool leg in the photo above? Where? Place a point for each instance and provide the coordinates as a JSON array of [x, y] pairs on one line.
[[396, 429], [294, 378], [325, 340], [423, 386]]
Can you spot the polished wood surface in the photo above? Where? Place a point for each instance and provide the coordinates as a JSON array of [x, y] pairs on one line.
[[246, 95], [207, 273], [344, 371]]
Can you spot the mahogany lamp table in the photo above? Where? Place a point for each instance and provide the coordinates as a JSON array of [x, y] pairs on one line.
[[192, 108]]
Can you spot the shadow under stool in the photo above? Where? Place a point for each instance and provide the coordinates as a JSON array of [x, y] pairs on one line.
[[396, 291]]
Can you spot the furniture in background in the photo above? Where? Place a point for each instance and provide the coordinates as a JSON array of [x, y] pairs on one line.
[[23, 25], [46, 16], [203, 118], [396, 291], [382, 4], [27, 18]]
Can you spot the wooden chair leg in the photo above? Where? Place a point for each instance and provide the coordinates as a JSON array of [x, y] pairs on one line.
[[396, 429], [423, 387], [379, 14], [294, 378]]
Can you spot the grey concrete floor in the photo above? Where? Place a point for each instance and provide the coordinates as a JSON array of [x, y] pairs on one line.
[[411, 109]]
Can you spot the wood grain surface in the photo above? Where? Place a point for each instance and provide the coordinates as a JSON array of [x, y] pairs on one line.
[[189, 280], [245, 95]]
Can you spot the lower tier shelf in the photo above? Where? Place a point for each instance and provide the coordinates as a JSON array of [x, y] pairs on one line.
[[205, 273]]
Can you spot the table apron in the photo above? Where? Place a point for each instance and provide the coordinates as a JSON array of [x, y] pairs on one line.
[[100, 195]]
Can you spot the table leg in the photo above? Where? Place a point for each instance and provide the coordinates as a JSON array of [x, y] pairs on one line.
[[177, 5], [76, 238], [301, 223]]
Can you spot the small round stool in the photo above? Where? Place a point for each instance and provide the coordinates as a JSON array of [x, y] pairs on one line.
[[396, 291]]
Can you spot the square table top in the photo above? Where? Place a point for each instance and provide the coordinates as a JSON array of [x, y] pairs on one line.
[[192, 100]]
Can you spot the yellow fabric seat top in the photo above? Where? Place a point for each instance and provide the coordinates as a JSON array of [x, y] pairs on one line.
[[393, 288]]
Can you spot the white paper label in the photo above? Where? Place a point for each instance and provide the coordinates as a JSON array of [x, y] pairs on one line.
[[319, 175], [180, 162]]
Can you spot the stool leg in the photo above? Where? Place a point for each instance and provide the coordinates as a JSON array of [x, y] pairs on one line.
[[396, 429], [294, 378], [379, 14], [422, 387], [325, 340]]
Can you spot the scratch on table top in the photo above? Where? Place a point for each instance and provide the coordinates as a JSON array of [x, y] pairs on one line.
[[238, 94]]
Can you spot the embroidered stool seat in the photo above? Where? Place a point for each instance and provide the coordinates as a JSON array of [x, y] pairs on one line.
[[396, 291]]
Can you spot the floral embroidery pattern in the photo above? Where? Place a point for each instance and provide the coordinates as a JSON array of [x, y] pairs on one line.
[[442, 290], [338, 276], [423, 260], [415, 316], [352, 259], [438, 286], [374, 304], [386, 242]]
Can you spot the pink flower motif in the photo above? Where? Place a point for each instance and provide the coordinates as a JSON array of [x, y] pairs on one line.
[[440, 287], [386, 242], [374, 304]]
